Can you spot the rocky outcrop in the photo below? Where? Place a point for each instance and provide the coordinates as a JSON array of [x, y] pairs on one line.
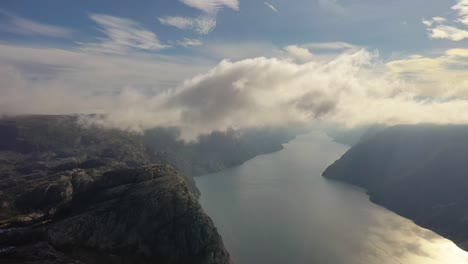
[[144, 215], [95, 196], [417, 171], [54, 143]]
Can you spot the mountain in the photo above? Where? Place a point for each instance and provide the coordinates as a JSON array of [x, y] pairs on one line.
[[417, 171], [215, 151], [74, 194]]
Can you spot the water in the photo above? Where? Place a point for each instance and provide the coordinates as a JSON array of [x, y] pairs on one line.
[[277, 208]]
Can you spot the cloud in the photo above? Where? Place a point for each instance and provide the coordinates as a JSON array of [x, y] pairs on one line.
[[271, 7], [439, 30], [58, 81], [299, 53], [426, 22], [201, 24], [186, 42], [212, 6], [122, 35], [439, 19], [457, 53], [442, 76], [434, 20], [19, 25], [177, 21], [320, 51], [331, 46], [142, 91], [448, 32], [462, 11], [250, 93], [272, 92]]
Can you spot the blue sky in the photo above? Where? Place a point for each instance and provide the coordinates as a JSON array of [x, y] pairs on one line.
[[392, 27], [208, 65]]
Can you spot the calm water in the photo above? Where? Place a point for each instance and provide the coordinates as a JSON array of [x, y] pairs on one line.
[[277, 208]]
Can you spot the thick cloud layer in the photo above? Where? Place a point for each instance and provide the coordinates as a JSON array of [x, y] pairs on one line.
[[352, 89]]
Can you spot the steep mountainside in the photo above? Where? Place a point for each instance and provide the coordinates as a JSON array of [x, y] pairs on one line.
[[70, 194], [216, 151], [417, 171]]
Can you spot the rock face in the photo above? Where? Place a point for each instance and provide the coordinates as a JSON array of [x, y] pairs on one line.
[[420, 172], [70, 194]]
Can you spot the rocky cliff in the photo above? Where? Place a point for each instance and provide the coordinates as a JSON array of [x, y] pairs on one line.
[[418, 171], [70, 194]]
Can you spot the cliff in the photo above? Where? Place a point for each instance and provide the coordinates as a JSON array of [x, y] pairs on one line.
[[417, 171], [70, 194]]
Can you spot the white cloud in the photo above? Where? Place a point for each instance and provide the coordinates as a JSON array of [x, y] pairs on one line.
[[348, 90], [427, 22], [331, 46], [299, 53], [212, 6], [202, 24], [48, 80], [457, 53], [439, 19], [20, 25], [442, 76], [272, 7], [177, 21], [141, 92], [462, 11], [122, 36], [415, 56], [439, 30], [434, 20], [186, 42], [448, 32]]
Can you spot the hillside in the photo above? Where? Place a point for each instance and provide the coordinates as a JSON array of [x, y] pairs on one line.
[[215, 151], [418, 171], [70, 194]]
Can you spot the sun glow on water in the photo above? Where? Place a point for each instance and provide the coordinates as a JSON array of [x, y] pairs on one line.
[[288, 213]]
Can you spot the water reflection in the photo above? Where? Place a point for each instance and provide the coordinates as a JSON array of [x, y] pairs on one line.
[[278, 209]]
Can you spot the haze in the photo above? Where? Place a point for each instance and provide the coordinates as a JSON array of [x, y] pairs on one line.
[[205, 65]]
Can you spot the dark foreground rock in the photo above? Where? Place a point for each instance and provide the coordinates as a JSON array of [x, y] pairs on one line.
[[419, 172], [145, 215], [75, 195]]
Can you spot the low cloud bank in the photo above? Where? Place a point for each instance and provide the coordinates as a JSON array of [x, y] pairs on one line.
[[351, 89]]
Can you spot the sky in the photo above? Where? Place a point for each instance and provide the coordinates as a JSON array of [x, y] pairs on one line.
[[205, 65]]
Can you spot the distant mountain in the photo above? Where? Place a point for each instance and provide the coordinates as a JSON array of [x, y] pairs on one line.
[[418, 171], [215, 151], [74, 194]]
